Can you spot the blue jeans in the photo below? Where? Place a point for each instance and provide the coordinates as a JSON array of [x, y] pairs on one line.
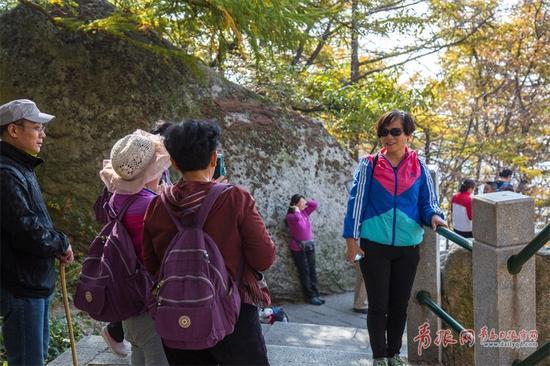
[[25, 328]]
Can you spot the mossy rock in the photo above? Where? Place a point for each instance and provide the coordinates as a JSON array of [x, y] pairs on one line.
[[102, 86]]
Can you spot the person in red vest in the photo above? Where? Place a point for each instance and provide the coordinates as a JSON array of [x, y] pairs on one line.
[[461, 209]]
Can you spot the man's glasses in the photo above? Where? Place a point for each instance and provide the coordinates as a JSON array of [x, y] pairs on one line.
[[394, 132], [38, 129]]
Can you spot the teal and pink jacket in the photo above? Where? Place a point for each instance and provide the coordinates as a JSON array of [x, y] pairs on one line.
[[391, 207]]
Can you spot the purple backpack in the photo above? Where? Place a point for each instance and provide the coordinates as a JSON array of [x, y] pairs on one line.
[[195, 302], [100, 207], [113, 284]]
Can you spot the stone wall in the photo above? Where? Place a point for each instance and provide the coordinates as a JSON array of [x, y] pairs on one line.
[[457, 299], [102, 86]]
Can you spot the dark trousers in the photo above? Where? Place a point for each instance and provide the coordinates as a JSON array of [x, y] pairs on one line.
[[245, 346], [115, 330], [389, 275], [305, 262]]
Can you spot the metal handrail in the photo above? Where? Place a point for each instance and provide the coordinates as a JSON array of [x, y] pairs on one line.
[[516, 261], [424, 298], [454, 237], [534, 357]]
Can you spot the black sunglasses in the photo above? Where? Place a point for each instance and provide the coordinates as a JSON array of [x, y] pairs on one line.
[[394, 132]]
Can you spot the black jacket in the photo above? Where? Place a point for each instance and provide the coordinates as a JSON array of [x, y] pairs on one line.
[[29, 243]]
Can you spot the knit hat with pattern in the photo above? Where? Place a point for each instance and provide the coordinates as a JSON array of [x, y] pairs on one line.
[[136, 159], [131, 154]]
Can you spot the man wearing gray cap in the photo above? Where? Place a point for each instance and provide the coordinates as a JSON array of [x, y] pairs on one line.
[[29, 242]]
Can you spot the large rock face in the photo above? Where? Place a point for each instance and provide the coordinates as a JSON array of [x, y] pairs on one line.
[[457, 299], [102, 87]]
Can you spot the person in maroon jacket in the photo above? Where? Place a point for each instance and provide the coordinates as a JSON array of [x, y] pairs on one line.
[[233, 223]]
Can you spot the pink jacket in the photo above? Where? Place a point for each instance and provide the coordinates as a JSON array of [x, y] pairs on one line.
[[300, 226]]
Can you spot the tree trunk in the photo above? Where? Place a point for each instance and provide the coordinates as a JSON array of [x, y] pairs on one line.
[[354, 68], [427, 150]]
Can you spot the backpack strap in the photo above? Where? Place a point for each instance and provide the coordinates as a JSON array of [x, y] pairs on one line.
[[204, 210], [374, 161], [101, 206], [208, 202], [177, 221], [113, 215]]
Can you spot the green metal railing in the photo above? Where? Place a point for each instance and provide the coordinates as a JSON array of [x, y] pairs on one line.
[[516, 261], [454, 237], [535, 357], [424, 298]]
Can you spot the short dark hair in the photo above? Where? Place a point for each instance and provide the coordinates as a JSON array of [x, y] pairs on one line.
[[408, 121], [4, 128], [191, 143], [467, 184], [160, 127], [505, 173]]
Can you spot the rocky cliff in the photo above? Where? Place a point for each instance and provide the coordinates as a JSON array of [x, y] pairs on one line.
[[102, 86]]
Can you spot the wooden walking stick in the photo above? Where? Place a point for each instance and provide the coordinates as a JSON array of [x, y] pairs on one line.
[[68, 312]]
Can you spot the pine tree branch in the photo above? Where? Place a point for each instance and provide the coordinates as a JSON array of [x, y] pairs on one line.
[[434, 50], [393, 6]]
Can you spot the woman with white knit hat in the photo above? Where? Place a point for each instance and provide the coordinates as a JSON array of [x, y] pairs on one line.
[[136, 165]]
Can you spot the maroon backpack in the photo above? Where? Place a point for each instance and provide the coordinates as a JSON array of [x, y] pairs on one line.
[[195, 302], [113, 284]]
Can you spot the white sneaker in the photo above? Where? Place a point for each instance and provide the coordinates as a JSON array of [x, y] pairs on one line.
[[120, 349]]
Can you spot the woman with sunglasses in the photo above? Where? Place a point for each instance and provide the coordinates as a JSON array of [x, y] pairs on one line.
[[392, 197]]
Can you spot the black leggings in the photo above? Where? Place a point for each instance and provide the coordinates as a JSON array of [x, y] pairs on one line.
[[305, 262], [389, 275]]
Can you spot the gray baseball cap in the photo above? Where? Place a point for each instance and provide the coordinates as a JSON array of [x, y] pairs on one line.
[[22, 109]]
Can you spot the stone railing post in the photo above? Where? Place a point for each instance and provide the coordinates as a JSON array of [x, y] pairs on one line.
[[428, 278], [503, 224]]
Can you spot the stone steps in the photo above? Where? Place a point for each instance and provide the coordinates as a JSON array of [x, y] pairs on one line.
[[287, 344]]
